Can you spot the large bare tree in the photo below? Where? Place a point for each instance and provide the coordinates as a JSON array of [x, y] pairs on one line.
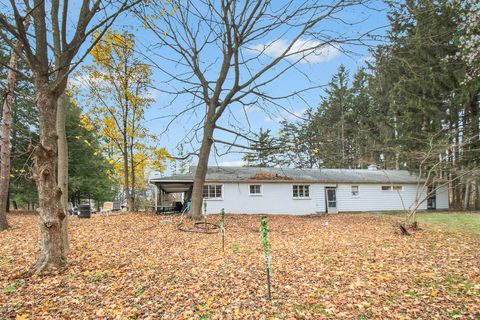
[[52, 51], [229, 53]]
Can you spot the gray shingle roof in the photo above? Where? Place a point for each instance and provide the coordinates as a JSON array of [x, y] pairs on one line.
[[246, 174]]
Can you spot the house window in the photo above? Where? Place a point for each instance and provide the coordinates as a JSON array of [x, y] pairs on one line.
[[212, 191], [255, 189], [301, 191], [392, 188], [355, 192]]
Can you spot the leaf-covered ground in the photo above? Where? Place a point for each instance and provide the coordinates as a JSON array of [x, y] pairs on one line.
[[344, 266]]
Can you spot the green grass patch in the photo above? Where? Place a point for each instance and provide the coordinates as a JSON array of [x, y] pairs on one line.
[[13, 286], [99, 276], [235, 248], [464, 222]]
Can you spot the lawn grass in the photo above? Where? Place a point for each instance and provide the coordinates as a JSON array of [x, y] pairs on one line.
[[466, 222]]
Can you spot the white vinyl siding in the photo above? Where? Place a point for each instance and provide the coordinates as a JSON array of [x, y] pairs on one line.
[[277, 199], [442, 198], [373, 198]]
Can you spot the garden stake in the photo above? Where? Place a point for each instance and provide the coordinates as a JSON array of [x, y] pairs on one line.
[[267, 263], [205, 213], [266, 250], [222, 228]]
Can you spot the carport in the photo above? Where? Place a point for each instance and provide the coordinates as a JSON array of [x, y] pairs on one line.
[[169, 185]]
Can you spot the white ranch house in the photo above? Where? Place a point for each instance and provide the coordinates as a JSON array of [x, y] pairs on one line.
[[256, 190]]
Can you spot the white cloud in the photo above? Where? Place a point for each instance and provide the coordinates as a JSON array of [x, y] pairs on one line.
[[304, 51], [153, 93], [81, 81], [78, 81]]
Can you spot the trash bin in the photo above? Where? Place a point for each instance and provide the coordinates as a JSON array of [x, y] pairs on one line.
[[84, 211]]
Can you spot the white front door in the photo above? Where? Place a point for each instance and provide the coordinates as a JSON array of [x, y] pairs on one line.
[[331, 199]]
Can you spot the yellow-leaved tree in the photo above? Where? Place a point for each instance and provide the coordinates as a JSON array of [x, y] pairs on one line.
[[118, 84]]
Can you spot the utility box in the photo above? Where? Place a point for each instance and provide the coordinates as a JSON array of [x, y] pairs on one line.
[[84, 211]]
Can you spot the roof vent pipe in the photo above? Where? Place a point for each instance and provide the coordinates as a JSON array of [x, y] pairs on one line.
[[372, 167]]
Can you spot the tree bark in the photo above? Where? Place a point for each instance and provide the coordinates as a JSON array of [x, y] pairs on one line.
[[127, 180], [52, 216], [6, 126], [477, 200], [63, 162], [201, 171], [133, 182], [466, 198]]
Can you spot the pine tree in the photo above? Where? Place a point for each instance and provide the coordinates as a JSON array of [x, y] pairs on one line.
[[263, 150]]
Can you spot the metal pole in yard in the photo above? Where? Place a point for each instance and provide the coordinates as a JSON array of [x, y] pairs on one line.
[[205, 213], [266, 250], [222, 228], [267, 262]]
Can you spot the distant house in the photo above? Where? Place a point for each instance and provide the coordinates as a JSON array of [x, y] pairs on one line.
[[256, 190]]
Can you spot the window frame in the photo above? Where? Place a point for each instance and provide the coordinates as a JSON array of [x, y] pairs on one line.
[[260, 193], [392, 188], [357, 191], [304, 194], [209, 188]]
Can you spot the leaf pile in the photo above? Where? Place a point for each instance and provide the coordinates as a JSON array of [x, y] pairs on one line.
[[269, 176], [139, 266]]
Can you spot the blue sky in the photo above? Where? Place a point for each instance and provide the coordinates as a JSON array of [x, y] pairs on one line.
[[319, 70]]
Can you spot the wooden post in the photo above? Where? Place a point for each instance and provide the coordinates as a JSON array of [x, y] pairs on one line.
[[222, 228], [156, 199], [205, 213], [269, 290]]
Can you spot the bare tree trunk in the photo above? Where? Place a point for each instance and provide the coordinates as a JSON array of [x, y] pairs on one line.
[[5, 147], [343, 136], [466, 198], [456, 163], [127, 180], [132, 169], [52, 216], [477, 199], [63, 162], [397, 154], [201, 172]]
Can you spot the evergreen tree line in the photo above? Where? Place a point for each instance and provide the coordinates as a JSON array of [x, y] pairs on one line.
[[415, 106], [89, 171]]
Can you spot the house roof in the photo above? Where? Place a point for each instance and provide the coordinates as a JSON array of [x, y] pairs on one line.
[[275, 174]]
